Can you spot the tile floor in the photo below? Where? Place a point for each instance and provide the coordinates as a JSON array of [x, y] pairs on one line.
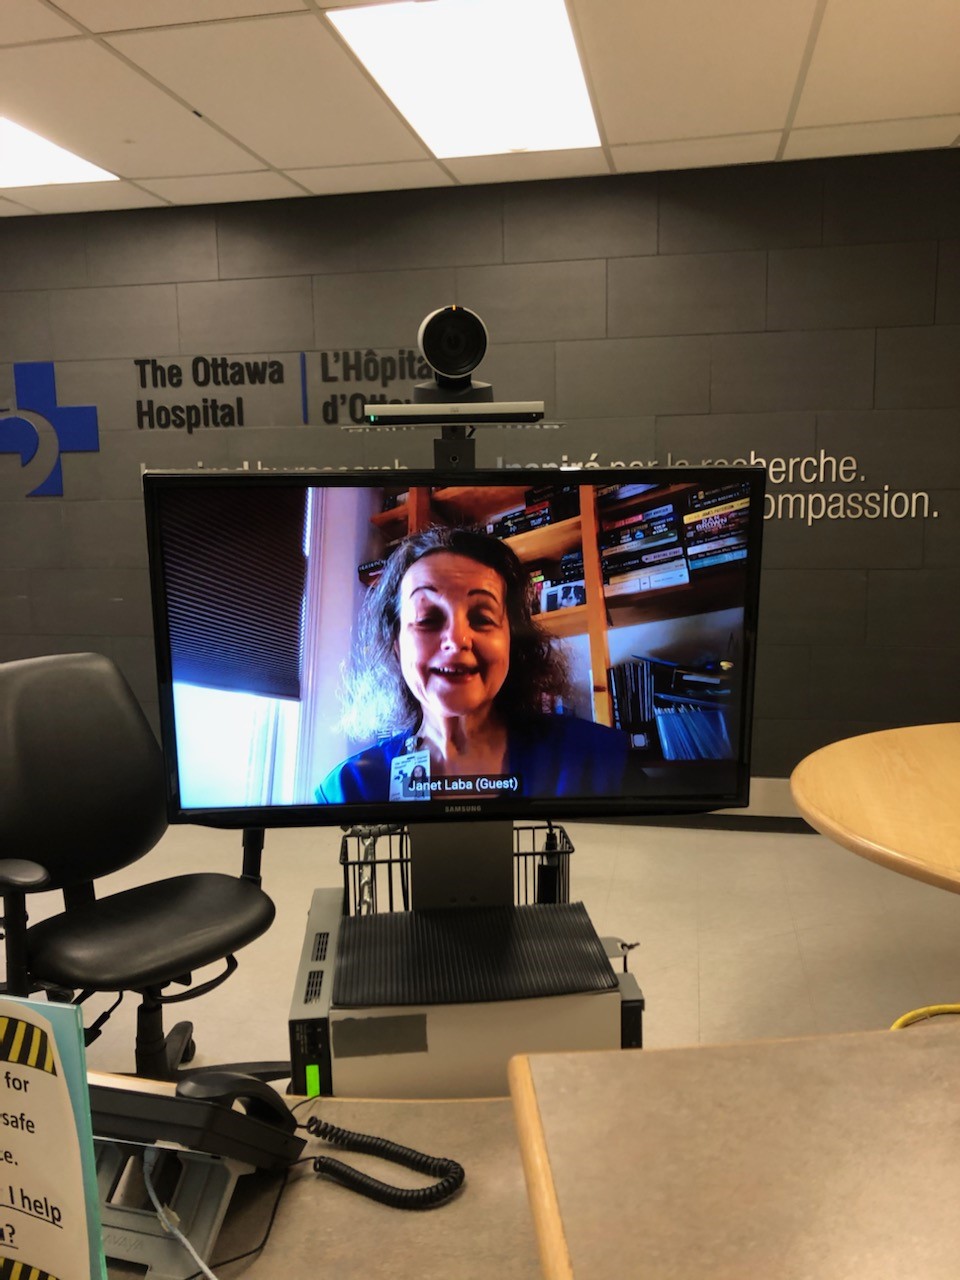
[[743, 935]]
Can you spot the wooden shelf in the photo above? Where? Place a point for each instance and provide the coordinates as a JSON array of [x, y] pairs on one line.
[[396, 515], [572, 621], [549, 542], [714, 592], [478, 505]]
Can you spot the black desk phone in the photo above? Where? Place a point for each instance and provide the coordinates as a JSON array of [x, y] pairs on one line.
[[201, 1117]]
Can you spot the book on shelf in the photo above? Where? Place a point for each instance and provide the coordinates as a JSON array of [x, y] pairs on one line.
[[718, 495], [564, 501], [684, 726], [541, 506], [632, 565], [393, 500], [621, 492], [653, 579], [724, 507], [665, 511], [537, 578], [640, 553], [570, 567], [710, 525], [663, 556], [370, 570], [691, 732], [714, 685], [720, 557], [631, 685], [716, 544], [509, 526], [624, 539]]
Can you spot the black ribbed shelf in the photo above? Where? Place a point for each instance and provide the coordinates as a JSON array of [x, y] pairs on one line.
[[470, 954]]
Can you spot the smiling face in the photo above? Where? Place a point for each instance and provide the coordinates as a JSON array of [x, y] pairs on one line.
[[454, 637]]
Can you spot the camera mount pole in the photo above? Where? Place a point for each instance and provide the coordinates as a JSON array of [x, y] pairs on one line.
[[456, 448]]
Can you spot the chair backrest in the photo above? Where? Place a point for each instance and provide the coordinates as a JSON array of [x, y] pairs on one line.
[[81, 773]]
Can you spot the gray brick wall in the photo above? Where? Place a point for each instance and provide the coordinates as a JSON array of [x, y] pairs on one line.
[[787, 310]]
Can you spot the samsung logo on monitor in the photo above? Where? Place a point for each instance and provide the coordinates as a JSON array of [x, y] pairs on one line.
[[463, 808]]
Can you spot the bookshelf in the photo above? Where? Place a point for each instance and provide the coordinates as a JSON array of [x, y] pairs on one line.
[[584, 533]]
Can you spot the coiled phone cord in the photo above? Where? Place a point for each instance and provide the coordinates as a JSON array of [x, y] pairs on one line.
[[450, 1175]]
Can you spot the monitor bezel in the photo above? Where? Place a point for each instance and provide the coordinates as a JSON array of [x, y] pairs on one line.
[[548, 808]]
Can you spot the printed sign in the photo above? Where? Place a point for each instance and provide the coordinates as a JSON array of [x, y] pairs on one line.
[[49, 1203]]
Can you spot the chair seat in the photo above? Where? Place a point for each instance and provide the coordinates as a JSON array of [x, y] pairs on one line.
[[149, 935]]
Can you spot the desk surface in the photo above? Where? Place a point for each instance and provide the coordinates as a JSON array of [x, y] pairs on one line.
[[890, 796], [813, 1159], [324, 1230]]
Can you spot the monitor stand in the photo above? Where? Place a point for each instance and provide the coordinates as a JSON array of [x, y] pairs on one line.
[[433, 1001], [461, 864]]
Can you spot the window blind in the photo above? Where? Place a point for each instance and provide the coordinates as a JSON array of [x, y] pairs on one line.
[[234, 571]]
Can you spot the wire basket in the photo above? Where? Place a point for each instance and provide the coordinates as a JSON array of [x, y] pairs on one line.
[[376, 867]]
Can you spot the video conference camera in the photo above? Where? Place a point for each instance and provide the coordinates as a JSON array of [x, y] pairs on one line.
[[453, 341]]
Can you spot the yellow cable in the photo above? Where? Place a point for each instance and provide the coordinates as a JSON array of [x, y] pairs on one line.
[[929, 1011]]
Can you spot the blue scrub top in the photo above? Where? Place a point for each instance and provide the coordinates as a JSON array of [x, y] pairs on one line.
[[551, 756]]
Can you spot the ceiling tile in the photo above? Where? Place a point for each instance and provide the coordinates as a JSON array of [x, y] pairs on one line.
[[678, 84], [26, 20], [10, 210], [124, 15], [530, 166], [337, 180], [865, 139], [221, 188], [882, 59], [661, 70], [79, 96], [697, 153], [81, 197], [311, 104]]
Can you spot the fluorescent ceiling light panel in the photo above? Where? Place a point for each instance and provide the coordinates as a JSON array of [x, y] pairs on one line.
[[477, 77], [27, 160]]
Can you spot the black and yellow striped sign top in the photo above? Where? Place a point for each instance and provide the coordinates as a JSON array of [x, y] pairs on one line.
[[28, 1046], [22, 1271]]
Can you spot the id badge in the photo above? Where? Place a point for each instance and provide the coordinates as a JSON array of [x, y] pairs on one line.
[[410, 776]]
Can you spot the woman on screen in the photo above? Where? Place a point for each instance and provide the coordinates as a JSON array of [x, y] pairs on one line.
[[451, 672]]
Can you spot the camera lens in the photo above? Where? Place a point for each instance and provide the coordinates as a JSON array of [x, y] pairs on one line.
[[453, 341]]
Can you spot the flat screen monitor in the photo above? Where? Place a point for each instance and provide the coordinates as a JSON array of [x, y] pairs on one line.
[[394, 647]]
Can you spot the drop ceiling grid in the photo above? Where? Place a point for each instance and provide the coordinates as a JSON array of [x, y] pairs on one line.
[[872, 137], [222, 188], [697, 153], [397, 176], [283, 86], [118, 15], [677, 84], [882, 60], [83, 197], [664, 71], [81, 97], [26, 20]]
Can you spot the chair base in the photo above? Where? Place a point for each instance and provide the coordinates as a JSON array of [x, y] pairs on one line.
[[266, 1071], [159, 1056]]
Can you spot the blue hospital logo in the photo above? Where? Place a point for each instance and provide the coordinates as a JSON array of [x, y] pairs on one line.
[[41, 430]]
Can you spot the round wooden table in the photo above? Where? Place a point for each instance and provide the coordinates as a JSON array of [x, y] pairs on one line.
[[891, 796]]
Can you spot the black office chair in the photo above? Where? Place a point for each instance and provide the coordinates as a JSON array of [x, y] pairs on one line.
[[82, 795]]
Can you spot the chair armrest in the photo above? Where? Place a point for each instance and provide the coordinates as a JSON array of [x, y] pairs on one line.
[[17, 875]]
